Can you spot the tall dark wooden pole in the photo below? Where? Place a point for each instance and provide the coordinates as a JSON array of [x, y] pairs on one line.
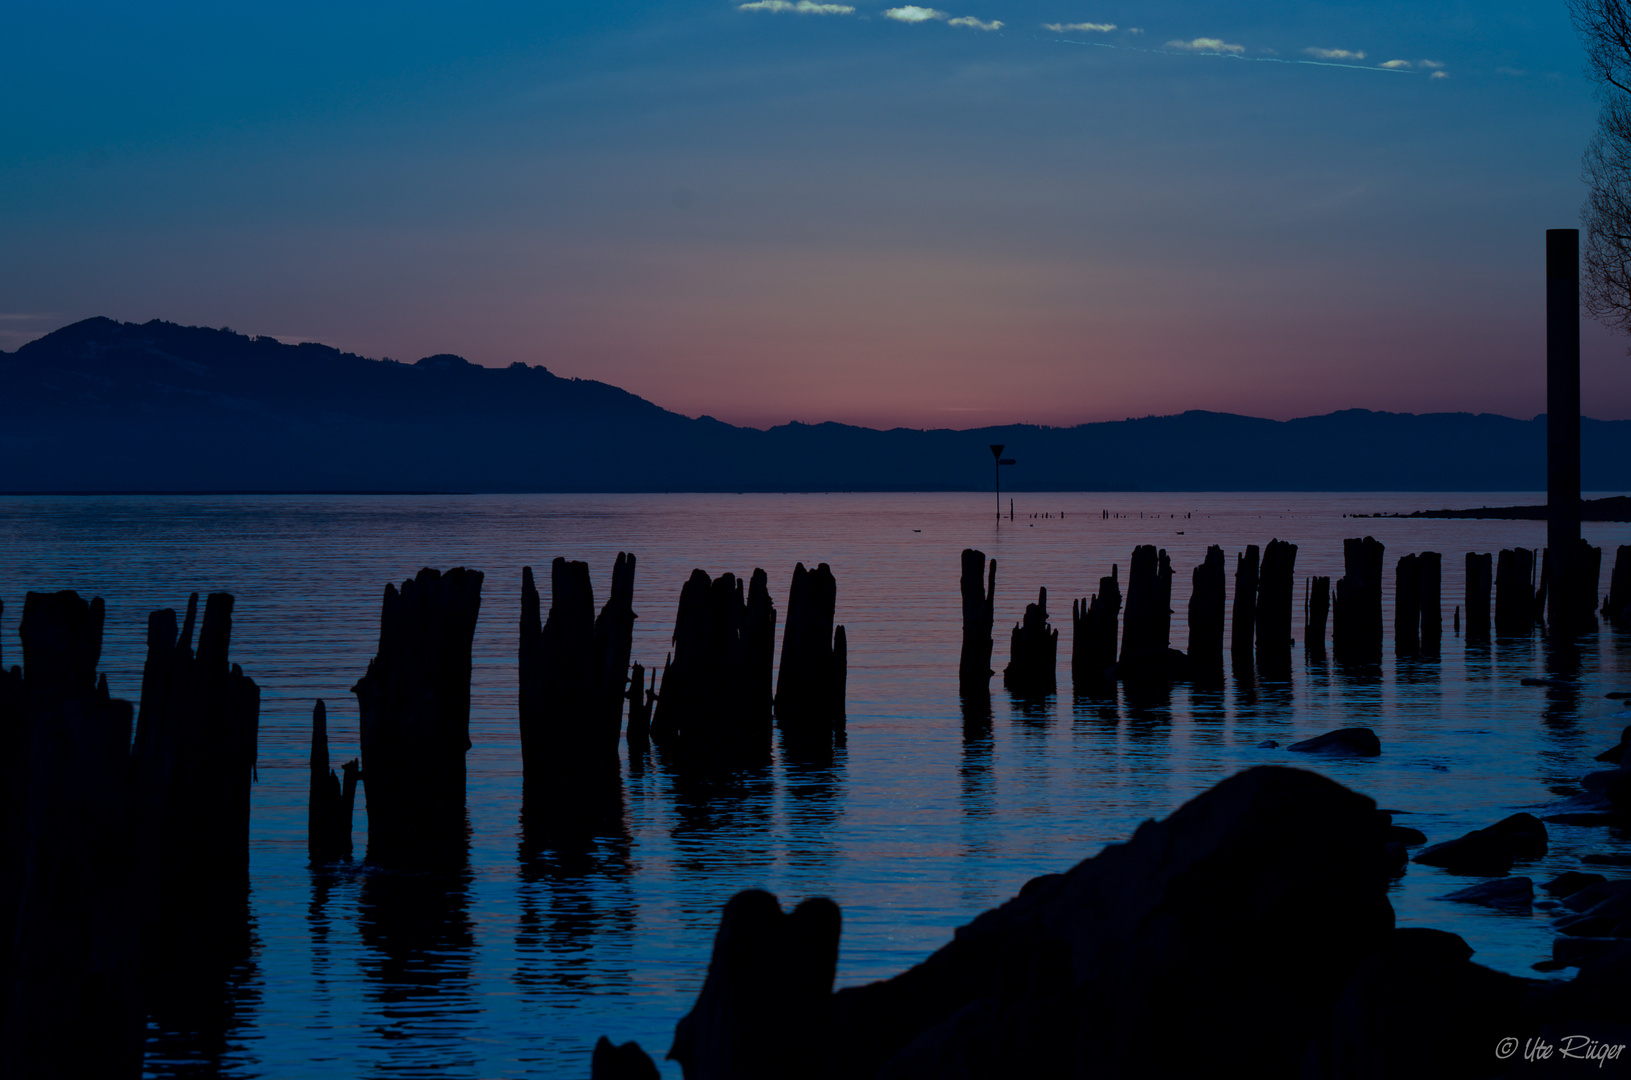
[[1563, 417]]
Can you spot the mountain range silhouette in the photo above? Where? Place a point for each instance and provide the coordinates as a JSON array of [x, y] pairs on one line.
[[108, 406]]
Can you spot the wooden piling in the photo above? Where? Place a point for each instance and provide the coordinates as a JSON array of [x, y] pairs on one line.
[[1479, 581], [1275, 589], [1244, 621], [1430, 568], [415, 718], [1407, 607], [1514, 592], [1032, 669], [1357, 613], [1319, 608], [979, 607], [1617, 608], [1206, 615], [72, 1004], [1093, 636], [330, 802], [810, 682]]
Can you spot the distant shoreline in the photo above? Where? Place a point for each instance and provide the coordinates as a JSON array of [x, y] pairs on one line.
[[1613, 508]]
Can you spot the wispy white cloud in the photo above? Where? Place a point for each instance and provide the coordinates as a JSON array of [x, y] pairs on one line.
[[1431, 64], [971, 21], [803, 7], [1135, 29], [1439, 75], [1394, 65], [1089, 27], [1336, 54], [1207, 44], [911, 13]]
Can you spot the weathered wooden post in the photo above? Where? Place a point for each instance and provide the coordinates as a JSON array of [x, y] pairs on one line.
[[810, 683], [715, 704], [1319, 608], [72, 1004], [1147, 629], [415, 706], [1094, 625], [1430, 568], [1276, 585], [329, 802], [1357, 616], [1479, 580], [1244, 619], [1033, 653], [1515, 592], [1572, 596], [1617, 608], [1206, 614], [979, 609], [1407, 607]]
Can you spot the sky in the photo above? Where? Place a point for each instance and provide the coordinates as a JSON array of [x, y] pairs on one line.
[[1002, 211]]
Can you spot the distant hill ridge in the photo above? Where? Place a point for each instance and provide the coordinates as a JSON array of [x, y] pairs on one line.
[[109, 406]]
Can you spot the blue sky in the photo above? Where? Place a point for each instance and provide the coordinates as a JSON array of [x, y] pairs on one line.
[[881, 215]]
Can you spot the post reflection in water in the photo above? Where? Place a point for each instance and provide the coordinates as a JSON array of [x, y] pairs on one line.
[[205, 997], [417, 963]]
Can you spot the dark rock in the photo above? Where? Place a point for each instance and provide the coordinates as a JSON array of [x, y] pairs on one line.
[[1418, 1008], [1489, 851], [1507, 894], [1404, 834], [625, 1062], [765, 1009], [1204, 923], [1615, 755], [1600, 919], [1355, 741], [1267, 744], [1571, 881]]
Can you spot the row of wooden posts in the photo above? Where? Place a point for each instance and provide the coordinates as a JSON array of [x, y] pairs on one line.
[[1260, 625], [124, 861]]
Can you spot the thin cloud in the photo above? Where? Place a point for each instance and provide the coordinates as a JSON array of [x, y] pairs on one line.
[[1395, 65], [1431, 64], [1336, 54], [803, 7], [1090, 27], [911, 13], [1439, 75], [971, 21], [1208, 44]]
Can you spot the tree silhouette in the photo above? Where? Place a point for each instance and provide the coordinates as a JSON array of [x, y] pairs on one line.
[[1605, 28]]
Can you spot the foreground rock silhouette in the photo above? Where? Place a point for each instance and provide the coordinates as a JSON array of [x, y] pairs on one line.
[[1249, 930]]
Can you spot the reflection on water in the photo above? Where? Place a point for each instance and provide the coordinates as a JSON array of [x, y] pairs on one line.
[[923, 810]]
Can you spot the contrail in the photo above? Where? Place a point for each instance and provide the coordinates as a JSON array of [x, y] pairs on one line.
[[1232, 56]]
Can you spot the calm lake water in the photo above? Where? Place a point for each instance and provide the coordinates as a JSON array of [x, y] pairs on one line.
[[912, 829]]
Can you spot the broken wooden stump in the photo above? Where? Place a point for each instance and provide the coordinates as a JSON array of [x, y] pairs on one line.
[[330, 802], [1430, 568], [1573, 606], [1617, 607], [1244, 617], [1515, 592], [810, 684], [979, 608], [1093, 636], [71, 957], [1275, 589], [1407, 607], [1033, 653], [415, 706], [1479, 580], [194, 763], [1146, 652], [714, 708], [573, 678], [641, 699], [1357, 613], [1206, 614], [1319, 609]]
